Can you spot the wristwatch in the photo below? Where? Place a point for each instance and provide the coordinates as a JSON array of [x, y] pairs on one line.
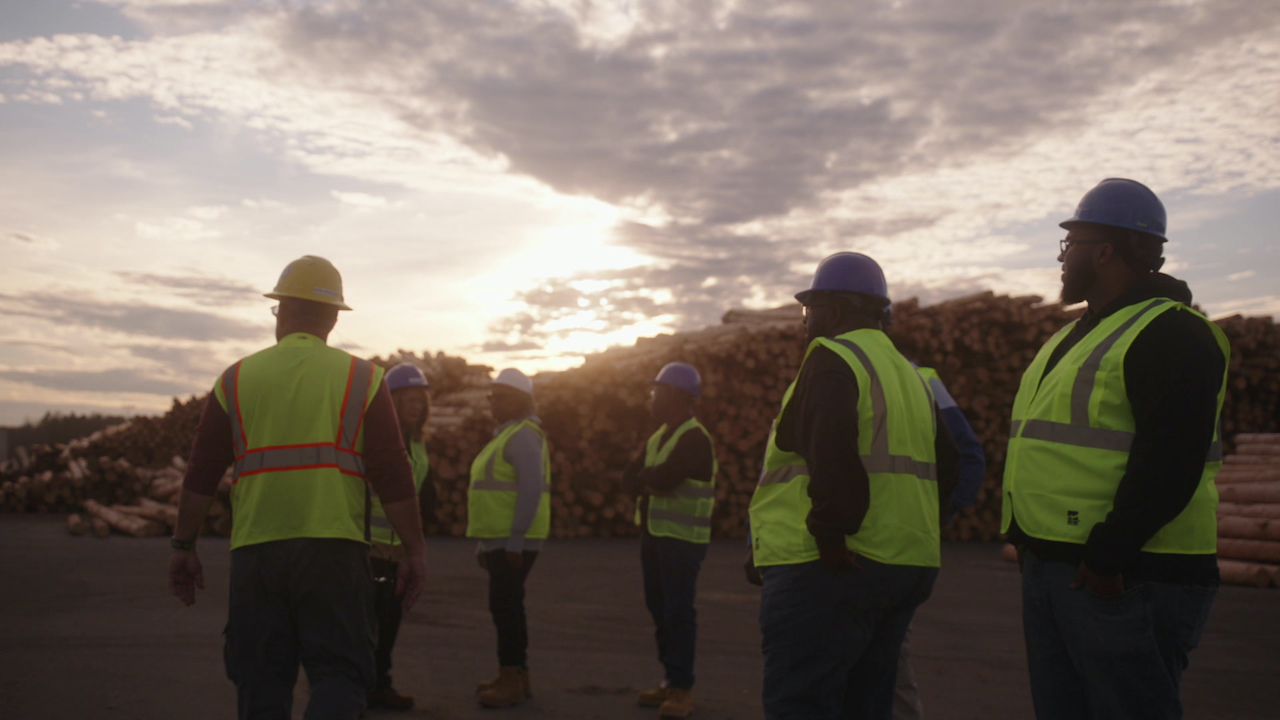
[[177, 544]]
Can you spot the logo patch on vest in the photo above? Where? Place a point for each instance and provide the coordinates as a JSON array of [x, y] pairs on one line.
[[1073, 517]]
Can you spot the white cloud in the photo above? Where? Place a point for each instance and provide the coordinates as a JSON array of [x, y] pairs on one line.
[[1261, 305], [263, 204], [1241, 275], [361, 200], [174, 120], [175, 229], [207, 212]]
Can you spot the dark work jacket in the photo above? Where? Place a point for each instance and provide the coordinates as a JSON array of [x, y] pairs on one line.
[[1172, 373], [820, 423]]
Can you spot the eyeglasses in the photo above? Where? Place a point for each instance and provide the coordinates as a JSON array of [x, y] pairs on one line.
[[1064, 244], [275, 311]]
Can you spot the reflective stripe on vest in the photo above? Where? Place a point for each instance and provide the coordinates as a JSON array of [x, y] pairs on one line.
[[684, 513], [295, 412], [493, 489], [879, 460], [895, 441], [340, 454], [1070, 436], [381, 526]]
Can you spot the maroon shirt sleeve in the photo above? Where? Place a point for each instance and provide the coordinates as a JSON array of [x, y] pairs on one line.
[[386, 462], [212, 450]]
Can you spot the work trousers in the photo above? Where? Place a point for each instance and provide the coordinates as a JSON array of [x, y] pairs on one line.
[[906, 696], [506, 605], [307, 601], [389, 609], [1107, 658], [831, 639], [670, 569]]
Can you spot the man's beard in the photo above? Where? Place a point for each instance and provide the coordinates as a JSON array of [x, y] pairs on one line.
[[1077, 283]]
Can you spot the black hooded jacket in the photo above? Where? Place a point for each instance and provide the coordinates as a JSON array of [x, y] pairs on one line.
[[1172, 372]]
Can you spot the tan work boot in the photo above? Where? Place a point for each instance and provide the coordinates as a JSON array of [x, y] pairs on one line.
[[524, 678], [654, 697], [511, 687], [388, 698], [679, 704]]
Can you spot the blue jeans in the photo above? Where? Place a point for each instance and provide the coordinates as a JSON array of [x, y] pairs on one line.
[[1103, 658], [670, 569], [831, 639]]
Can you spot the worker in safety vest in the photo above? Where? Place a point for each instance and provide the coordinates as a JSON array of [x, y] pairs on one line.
[[304, 426], [972, 471], [408, 388], [674, 479], [845, 520], [1108, 484], [509, 511]]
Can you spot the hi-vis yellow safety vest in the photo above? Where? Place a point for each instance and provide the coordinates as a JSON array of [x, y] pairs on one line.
[[379, 527], [686, 513], [297, 416], [1071, 433], [896, 431], [491, 497]]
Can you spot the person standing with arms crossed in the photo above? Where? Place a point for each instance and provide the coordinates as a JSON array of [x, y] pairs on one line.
[[1109, 483], [509, 511], [674, 481], [305, 425]]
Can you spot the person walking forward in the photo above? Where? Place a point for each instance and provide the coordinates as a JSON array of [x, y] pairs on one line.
[[1108, 484], [304, 426], [509, 511], [674, 479]]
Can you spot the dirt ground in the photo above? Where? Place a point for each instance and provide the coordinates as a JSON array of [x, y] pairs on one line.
[[87, 630]]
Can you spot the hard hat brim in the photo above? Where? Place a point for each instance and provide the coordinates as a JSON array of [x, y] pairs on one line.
[[281, 296]]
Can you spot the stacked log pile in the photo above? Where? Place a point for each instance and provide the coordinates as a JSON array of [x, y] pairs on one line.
[[596, 415], [1249, 512], [125, 478]]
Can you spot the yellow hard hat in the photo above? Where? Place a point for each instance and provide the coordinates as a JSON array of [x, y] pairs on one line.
[[310, 278]]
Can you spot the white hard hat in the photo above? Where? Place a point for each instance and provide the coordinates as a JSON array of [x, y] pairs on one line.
[[512, 377]]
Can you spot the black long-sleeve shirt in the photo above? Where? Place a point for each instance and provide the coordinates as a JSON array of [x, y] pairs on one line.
[[820, 423], [1172, 372]]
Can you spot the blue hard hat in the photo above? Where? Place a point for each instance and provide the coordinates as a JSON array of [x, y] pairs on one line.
[[848, 272], [681, 376], [406, 375], [1117, 202]]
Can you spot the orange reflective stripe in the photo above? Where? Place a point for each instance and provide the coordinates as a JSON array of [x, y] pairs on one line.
[[299, 457], [340, 454], [231, 393], [359, 380]]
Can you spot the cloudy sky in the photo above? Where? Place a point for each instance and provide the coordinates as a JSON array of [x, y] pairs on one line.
[[523, 181]]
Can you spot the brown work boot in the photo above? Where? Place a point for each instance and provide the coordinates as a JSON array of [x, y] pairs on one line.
[[388, 698], [679, 704], [511, 687], [654, 697], [487, 684], [524, 678]]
